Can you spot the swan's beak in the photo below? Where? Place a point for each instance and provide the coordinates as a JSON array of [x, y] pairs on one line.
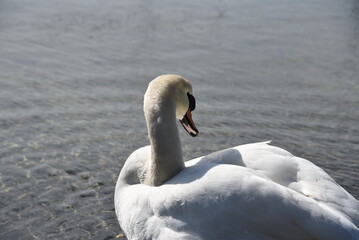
[[188, 124]]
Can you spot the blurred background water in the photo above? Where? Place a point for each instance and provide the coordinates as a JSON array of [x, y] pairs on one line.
[[73, 75]]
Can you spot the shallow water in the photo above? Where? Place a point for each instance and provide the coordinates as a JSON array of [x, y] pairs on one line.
[[73, 75]]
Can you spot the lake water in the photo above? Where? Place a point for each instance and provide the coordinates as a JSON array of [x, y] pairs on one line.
[[73, 75]]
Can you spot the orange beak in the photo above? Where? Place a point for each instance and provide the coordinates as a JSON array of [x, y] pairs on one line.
[[188, 124]]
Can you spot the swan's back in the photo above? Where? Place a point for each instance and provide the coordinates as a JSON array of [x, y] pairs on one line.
[[253, 191]]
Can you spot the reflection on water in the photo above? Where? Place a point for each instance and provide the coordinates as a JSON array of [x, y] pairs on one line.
[[72, 77]]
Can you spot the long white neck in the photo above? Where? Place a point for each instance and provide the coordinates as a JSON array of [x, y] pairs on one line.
[[166, 152]]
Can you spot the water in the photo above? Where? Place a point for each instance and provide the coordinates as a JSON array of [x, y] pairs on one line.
[[73, 75]]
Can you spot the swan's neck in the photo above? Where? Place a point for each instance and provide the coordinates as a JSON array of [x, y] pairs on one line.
[[166, 152]]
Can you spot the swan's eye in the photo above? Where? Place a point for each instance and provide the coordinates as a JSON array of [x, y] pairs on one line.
[[192, 102]]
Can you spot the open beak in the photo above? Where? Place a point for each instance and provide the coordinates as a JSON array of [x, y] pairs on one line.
[[188, 124]]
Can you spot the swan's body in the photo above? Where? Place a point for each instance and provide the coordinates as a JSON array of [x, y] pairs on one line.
[[253, 191]]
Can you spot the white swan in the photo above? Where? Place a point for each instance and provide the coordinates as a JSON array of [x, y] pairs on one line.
[[253, 191]]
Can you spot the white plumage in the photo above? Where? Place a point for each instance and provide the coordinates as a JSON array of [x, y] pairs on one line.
[[253, 191]]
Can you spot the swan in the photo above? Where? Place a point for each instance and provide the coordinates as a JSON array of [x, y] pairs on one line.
[[253, 191]]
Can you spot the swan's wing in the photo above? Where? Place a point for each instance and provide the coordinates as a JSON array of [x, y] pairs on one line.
[[298, 174], [222, 201], [301, 176]]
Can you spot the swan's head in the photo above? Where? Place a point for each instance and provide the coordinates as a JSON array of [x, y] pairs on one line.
[[173, 88]]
